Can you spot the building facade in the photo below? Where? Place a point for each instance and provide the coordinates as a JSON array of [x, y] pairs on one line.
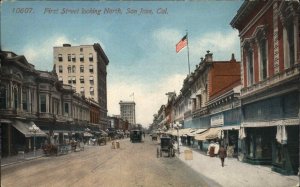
[[169, 110], [127, 111], [31, 97], [84, 68], [161, 117], [270, 53]]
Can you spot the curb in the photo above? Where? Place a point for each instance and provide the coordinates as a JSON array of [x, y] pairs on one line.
[[23, 160]]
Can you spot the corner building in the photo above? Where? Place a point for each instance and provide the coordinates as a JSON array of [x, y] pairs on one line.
[[84, 68], [270, 55]]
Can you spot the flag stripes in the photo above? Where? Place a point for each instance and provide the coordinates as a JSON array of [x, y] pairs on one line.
[[181, 44]]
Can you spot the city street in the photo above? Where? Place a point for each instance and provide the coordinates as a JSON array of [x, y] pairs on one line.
[[134, 164]]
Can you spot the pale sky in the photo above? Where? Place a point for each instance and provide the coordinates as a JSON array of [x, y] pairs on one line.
[[140, 47]]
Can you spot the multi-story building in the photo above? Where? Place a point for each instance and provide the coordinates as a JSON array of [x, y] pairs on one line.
[[203, 87], [84, 68], [127, 111], [210, 79], [178, 109], [117, 123], [169, 110], [30, 97], [161, 116], [270, 71]]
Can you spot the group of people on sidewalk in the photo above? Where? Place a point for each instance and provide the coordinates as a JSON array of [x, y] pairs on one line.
[[215, 149]]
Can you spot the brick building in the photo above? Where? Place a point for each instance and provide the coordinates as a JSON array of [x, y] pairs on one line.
[[270, 53]]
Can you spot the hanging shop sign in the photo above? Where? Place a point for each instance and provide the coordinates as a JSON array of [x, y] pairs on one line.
[[217, 120]]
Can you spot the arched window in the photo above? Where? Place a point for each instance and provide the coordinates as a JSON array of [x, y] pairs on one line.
[[263, 58], [248, 51], [25, 99], [16, 98], [263, 54], [250, 66], [288, 13], [43, 103], [291, 43]]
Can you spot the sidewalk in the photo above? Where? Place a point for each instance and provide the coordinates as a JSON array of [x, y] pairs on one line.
[[236, 173], [6, 161]]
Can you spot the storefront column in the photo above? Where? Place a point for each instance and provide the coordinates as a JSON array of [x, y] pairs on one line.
[[9, 139]]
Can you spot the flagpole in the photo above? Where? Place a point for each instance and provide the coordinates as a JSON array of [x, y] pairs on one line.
[[188, 53]]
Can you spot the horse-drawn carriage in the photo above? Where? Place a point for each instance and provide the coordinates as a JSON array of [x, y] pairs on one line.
[[154, 136], [166, 145]]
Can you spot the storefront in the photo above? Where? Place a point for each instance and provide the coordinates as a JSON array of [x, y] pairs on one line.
[[211, 135], [16, 136], [286, 152], [259, 144], [230, 139], [271, 129]]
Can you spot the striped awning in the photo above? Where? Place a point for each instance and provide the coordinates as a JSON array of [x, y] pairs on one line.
[[184, 132], [24, 128], [197, 131], [211, 133]]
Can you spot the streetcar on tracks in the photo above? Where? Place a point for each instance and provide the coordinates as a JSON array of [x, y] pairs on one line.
[[136, 136]]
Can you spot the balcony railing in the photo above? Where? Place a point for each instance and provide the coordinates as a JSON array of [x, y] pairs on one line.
[[274, 80]]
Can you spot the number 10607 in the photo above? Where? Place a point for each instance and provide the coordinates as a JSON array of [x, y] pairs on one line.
[[22, 10]]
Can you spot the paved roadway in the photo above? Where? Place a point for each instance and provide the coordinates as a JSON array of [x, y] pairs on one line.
[[134, 164]]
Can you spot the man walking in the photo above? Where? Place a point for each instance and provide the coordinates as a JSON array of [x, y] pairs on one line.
[[222, 154]]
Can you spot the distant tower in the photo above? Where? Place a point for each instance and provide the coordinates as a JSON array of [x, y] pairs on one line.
[[127, 111]]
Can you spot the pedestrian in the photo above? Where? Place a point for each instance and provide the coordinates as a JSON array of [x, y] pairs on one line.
[[211, 149], [222, 154], [217, 147]]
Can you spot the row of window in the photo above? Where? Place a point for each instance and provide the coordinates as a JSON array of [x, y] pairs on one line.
[[28, 104], [82, 91], [262, 42], [72, 80], [72, 69], [72, 57]]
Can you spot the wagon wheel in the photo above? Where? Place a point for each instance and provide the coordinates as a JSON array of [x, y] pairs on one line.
[[157, 154]]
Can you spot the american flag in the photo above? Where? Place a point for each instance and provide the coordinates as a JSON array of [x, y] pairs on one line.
[[181, 44]]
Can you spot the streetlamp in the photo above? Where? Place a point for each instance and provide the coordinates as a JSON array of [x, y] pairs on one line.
[[177, 127], [34, 129]]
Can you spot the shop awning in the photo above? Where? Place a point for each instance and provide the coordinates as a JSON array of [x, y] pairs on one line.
[[211, 133], [172, 132], [23, 127], [197, 131], [63, 132], [87, 134], [184, 132], [292, 121], [231, 127]]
